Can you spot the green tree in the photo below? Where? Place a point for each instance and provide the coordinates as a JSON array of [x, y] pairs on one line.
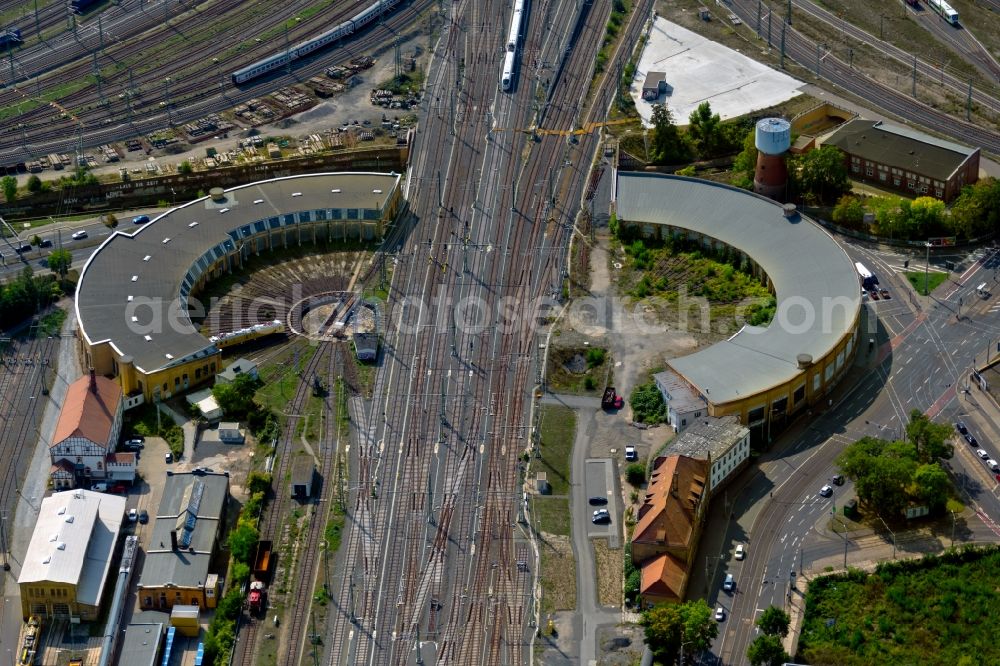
[[185, 167], [882, 472], [766, 650], [36, 240], [60, 261], [236, 397], [931, 440], [647, 404], [259, 482], [239, 573], [243, 541], [9, 186], [635, 474], [669, 145], [822, 174], [931, 486], [110, 221], [34, 184], [849, 212], [926, 216], [669, 626], [976, 211], [774, 621], [705, 131], [746, 163]]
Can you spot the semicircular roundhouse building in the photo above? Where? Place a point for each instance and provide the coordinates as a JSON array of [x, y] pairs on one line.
[[135, 290]]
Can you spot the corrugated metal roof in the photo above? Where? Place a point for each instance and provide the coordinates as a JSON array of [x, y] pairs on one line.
[[808, 269], [73, 542]]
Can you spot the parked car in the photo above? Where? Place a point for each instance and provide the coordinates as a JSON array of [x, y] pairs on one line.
[[140, 219], [971, 440], [99, 487], [168, 457], [720, 614], [741, 551], [119, 489], [79, 235], [960, 427], [597, 499], [134, 444], [630, 453], [601, 516], [826, 491], [982, 454], [838, 479], [992, 464], [143, 517], [133, 515], [729, 584]]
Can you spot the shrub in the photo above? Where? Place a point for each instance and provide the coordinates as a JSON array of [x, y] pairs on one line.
[[648, 405], [589, 384], [635, 474], [595, 357]]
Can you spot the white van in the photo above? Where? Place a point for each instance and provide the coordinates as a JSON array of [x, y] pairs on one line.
[[99, 487]]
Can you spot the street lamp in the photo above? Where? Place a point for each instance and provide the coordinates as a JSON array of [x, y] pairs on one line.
[[927, 263]]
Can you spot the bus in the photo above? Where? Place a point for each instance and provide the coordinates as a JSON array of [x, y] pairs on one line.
[[868, 279]]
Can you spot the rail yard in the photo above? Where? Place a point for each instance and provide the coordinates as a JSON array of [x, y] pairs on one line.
[[384, 335]]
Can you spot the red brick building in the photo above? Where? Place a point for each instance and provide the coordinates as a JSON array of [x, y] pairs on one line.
[[899, 158]]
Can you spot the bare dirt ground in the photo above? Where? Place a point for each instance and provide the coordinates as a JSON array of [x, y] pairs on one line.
[[621, 645]]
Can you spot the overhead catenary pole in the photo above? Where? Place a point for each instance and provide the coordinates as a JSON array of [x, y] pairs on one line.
[[968, 102], [783, 45], [914, 76], [38, 29]]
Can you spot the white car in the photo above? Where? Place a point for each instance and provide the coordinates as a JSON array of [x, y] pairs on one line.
[[79, 235], [982, 454], [825, 491], [740, 552], [601, 516], [993, 465], [720, 614], [631, 453], [133, 515]]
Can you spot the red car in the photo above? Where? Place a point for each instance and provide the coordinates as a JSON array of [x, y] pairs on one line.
[[119, 489]]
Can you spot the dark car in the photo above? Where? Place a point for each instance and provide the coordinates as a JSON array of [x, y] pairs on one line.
[[838, 479], [598, 500], [21, 249], [959, 426], [971, 440], [45, 242], [140, 219], [143, 517]]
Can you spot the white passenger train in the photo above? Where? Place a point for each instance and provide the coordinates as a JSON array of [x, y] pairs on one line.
[[513, 41], [348, 27]]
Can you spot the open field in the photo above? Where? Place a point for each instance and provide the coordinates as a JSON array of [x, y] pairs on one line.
[[936, 610], [609, 572], [558, 576], [577, 370], [558, 427]]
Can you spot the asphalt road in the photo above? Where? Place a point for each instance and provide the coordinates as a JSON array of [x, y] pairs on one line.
[[921, 361]]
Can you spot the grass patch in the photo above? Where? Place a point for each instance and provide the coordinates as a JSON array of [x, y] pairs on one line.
[[51, 323], [934, 280], [609, 563], [281, 377], [558, 574], [406, 82], [143, 420], [934, 610], [551, 514], [577, 369], [558, 429]]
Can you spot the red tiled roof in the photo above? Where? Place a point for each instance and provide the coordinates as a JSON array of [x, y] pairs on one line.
[[87, 412], [122, 458], [675, 488], [663, 576]]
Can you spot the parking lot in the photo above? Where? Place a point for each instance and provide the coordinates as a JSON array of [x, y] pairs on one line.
[[599, 482]]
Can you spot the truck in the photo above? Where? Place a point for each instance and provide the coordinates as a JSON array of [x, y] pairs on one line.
[[257, 599], [611, 399], [264, 561]]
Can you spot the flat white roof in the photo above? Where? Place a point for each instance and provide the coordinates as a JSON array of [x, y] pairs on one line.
[[700, 70], [73, 542]]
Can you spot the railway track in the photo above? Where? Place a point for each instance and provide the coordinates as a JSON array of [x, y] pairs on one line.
[[277, 510], [134, 103], [834, 70]]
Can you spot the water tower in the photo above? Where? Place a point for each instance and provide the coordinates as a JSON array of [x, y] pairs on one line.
[[773, 138]]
